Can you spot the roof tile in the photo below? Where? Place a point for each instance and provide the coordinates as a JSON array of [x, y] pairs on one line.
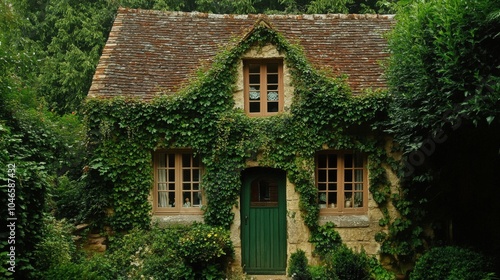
[[151, 50]]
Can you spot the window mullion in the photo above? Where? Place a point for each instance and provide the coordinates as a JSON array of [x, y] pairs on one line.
[[341, 182], [178, 181], [263, 89]]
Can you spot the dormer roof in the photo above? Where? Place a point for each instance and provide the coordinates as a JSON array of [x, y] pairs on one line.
[[150, 51]]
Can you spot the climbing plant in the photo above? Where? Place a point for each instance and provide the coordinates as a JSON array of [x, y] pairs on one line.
[[122, 133]]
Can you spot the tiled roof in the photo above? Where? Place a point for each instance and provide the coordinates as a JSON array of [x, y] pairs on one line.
[[148, 51]]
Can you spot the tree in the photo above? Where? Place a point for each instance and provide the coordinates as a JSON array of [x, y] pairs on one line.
[[444, 65], [444, 78]]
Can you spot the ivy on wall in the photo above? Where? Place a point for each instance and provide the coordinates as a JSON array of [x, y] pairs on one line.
[[122, 133]]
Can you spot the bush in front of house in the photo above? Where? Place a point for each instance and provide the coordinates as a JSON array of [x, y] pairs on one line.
[[452, 262], [298, 266], [98, 267], [189, 252], [207, 249], [344, 264]]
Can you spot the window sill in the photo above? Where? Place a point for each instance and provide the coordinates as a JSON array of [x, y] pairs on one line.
[[169, 219], [346, 220]]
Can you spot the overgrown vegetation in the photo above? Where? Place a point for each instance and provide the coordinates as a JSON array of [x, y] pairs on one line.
[[444, 88], [339, 262], [452, 263], [179, 252]]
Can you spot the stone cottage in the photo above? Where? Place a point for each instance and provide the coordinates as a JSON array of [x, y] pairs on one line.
[[153, 54]]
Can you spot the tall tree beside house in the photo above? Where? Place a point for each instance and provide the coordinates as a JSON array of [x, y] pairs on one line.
[[36, 147], [444, 78]]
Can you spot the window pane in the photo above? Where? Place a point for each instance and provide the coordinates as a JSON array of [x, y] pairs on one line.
[[197, 199], [322, 197], [186, 160], [254, 93], [272, 106], [358, 173], [196, 175], [348, 187], [348, 175], [162, 187], [332, 200], [254, 79], [171, 160], [321, 175], [348, 160], [358, 187], [171, 175], [358, 199], [162, 199], [196, 161], [332, 175], [186, 199], [358, 160], [162, 175], [171, 186], [272, 78], [163, 162], [254, 68], [321, 161], [322, 187], [171, 199], [186, 175], [332, 187], [254, 107], [272, 68], [196, 186], [186, 186], [332, 161]]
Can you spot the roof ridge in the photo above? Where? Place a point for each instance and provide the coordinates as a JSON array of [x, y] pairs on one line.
[[196, 14]]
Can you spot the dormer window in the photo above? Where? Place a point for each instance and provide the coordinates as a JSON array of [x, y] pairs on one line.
[[263, 87]]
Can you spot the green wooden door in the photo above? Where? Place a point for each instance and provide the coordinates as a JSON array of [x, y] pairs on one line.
[[263, 221]]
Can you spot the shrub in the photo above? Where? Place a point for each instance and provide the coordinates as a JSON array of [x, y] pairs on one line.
[[204, 244], [345, 264], [297, 266], [451, 262], [98, 267], [378, 272], [318, 272], [56, 245]]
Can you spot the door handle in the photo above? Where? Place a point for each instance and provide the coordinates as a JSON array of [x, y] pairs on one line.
[[246, 220]]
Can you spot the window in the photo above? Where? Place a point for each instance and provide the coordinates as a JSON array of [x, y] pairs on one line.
[[263, 87], [177, 182], [341, 182]]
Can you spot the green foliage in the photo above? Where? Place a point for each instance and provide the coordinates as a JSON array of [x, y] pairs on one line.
[[98, 267], [56, 245], [443, 76], [297, 266], [326, 240], [452, 263], [318, 272], [205, 244], [443, 67], [343, 263], [159, 253], [327, 6], [378, 272]]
